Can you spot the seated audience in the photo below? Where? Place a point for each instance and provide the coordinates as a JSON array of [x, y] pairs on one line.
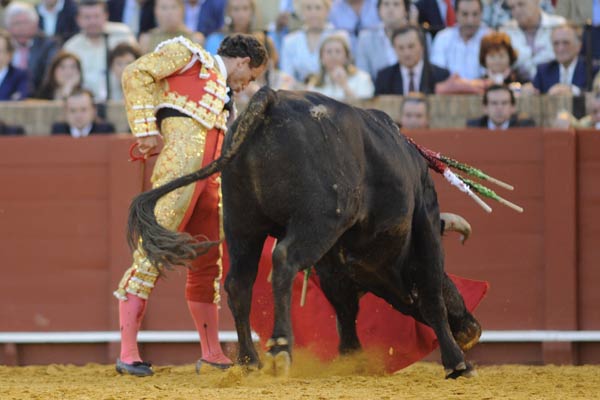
[[300, 49], [33, 48], [63, 76], [91, 45], [81, 118], [414, 112], [138, 15], [120, 57], [566, 120], [499, 107], [339, 78], [374, 50], [14, 82], [411, 73], [170, 24], [436, 14], [456, 48], [57, 18], [498, 57], [205, 16], [353, 16], [239, 18], [566, 74], [11, 130], [529, 32]]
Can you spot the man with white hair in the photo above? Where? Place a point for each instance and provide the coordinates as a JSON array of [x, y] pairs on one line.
[[33, 49], [529, 32]]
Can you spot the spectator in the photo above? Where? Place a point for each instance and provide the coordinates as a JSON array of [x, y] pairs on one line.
[[499, 107], [92, 44], [32, 48], [57, 18], [120, 57], [498, 57], [138, 15], [436, 15], [456, 48], [411, 73], [529, 32], [170, 20], [287, 20], [338, 77], [579, 11], [240, 19], [566, 74], [300, 49], [205, 16], [80, 116], [374, 50], [414, 112], [354, 16], [11, 130], [63, 77], [14, 84], [565, 120], [496, 12]]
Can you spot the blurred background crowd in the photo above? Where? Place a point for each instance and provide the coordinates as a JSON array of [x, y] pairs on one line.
[[74, 52]]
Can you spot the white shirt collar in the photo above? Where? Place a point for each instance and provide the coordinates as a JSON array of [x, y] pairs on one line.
[[566, 74], [494, 127], [58, 8], [221, 65], [77, 133]]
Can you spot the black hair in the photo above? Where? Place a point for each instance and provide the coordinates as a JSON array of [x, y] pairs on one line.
[[243, 45], [498, 87]]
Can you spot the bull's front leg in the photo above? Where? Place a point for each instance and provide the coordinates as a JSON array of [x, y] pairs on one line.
[[244, 258]]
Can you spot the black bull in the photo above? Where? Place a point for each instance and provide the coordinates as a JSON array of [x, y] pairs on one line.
[[341, 189]]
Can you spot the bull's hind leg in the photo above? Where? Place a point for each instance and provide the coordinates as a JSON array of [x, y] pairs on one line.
[[465, 328], [344, 296], [304, 244], [244, 256], [429, 279]]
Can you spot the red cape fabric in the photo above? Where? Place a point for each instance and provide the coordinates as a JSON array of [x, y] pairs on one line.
[[393, 337]]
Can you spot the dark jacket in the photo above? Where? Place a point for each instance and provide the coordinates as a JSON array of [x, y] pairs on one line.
[[41, 54], [66, 26], [15, 85], [11, 130], [212, 16], [548, 75], [62, 128], [515, 122], [389, 79], [147, 20], [429, 13]]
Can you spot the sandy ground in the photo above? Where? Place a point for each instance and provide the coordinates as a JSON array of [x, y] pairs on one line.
[[348, 379]]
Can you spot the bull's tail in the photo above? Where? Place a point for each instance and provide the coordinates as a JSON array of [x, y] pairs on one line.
[[167, 248]]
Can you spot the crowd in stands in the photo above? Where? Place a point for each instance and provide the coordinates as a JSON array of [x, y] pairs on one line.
[[75, 51]]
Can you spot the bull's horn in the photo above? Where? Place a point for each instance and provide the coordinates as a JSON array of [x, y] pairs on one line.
[[456, 223]]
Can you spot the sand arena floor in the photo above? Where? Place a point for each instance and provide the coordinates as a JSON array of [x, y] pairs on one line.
[[357, 378]]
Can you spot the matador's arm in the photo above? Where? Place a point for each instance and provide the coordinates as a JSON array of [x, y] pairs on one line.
[[142, 84]]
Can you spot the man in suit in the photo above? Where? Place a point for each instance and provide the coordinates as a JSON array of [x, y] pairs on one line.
[[411, 73], [14, 84], [81, 117], [137, 14], [437, 14], [57, 18], [33, 49], [11, 130], [499, 106], [566, 74]]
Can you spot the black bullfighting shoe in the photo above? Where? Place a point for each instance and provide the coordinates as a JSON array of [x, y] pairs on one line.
[[220, 366], [137, 368]]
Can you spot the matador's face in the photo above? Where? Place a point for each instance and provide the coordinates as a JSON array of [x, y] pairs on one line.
[[242, 74]]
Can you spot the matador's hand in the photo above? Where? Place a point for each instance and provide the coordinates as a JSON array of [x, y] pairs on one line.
[[147, 144]]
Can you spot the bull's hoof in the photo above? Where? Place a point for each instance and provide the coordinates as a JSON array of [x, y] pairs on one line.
[[278, 364], [464, 368]]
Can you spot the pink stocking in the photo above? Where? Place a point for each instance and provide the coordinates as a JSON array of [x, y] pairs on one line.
[[131, 313], [206, 318]]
